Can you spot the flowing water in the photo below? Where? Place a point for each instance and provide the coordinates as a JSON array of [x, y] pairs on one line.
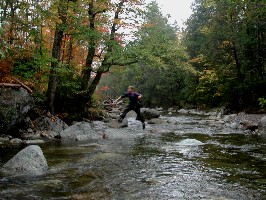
[[186, 158]]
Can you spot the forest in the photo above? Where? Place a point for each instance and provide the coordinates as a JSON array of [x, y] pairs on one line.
[[73, 54]]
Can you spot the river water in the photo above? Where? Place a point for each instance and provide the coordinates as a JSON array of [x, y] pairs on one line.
[[186, 157]]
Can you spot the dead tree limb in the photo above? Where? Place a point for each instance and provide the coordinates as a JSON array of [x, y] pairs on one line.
[[10, 85], [23, 85]]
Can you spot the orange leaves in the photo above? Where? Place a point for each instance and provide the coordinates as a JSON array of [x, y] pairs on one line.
[[103, 29], [5, 71], [104, 88]]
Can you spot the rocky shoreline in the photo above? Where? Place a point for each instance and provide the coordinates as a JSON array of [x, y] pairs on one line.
[[15, 111], [51, 127]]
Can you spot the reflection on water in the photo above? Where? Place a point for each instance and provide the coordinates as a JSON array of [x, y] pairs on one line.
[[189, 165]]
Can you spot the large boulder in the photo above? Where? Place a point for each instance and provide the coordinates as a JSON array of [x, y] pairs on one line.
[[14, 107], [262, 125], [29, 161], [80, 131], [149, 113], [52, 125]]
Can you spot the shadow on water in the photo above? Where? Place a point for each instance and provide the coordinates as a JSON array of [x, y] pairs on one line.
[[190, 165]]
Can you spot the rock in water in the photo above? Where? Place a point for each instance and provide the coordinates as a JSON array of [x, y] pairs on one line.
[[262, 125], [149, 113], [14, 107], [29, 161], [50, 123], [80, 131]]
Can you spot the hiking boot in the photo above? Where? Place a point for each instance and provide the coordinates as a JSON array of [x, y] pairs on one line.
[[143, 125]]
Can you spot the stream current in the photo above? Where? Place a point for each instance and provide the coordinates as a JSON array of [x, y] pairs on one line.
[[185, 157]]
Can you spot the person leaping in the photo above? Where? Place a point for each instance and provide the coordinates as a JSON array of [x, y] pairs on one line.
[[134, 104]]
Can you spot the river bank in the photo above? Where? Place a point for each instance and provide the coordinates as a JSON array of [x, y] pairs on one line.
[[50, 127]]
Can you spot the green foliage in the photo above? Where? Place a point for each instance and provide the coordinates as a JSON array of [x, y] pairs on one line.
[[262, 102], [25, 68], [229, 37], [162, 73], [68, 82], [221, 59], [207, 89]]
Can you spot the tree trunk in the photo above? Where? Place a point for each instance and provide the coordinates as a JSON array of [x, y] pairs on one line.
[[105, 66], [86, 73], [56, 55], [238, 65], [260, 52], [13, 8], [69, 51], [53, 77]]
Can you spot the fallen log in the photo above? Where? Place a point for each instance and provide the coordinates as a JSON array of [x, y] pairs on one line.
[[23, 85], [10, 85]]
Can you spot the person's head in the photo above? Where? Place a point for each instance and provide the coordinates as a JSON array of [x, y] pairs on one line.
[[131, 89]]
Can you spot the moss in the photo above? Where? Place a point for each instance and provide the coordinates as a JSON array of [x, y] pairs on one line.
[[7, 113]]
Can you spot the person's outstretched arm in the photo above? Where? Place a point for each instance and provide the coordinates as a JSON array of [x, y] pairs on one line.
[[118, 99]]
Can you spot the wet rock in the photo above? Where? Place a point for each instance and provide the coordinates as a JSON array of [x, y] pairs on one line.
[[4, 139], [14, 107], [197, 112], [29, 134], [262, 125], [113, 115], [34, 142], [233, 125], [155, 121], [49, 123], [29, 161], [124, 123], [160, 109], [161, 131], [113, 124], [249, 125], [50, 134], [228, 118], [212, 113], [172, 120], [16, 141], [80, 131], [133, 123], [98, 125], [171, 110], [149, 113], [183, 111]]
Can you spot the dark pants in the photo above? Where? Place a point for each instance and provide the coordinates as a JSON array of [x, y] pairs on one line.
[[135, 108]]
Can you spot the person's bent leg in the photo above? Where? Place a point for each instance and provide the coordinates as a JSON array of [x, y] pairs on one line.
[[124, 113], [140, 117]]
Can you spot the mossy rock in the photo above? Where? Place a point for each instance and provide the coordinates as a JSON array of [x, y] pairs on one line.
[[14, 107]]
